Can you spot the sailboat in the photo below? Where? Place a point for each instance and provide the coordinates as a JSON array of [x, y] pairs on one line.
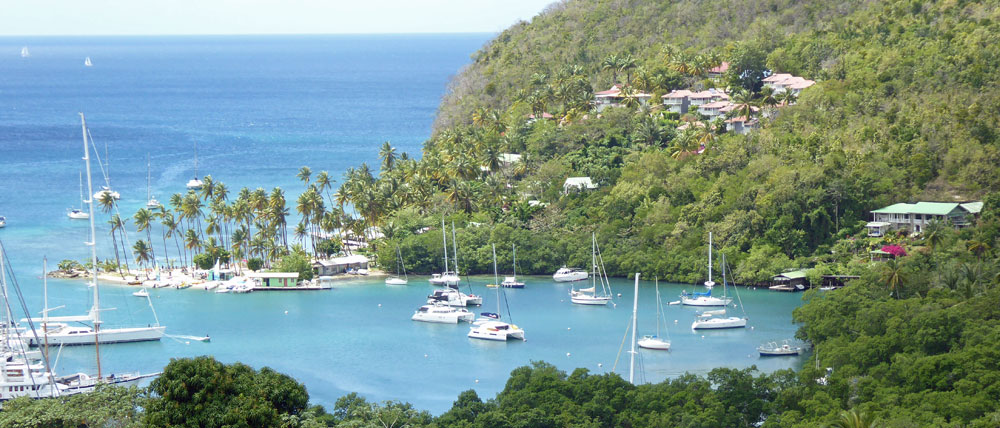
[[589, 296], [79, 213], [151, 202], [511, 281], [654, 341], [490, 327], [395, 279], [86, 62], [705, 298], [106, 171], [3, 221], [59, 332], [446, 277], [195, 183], [717, 319], [24, 52]]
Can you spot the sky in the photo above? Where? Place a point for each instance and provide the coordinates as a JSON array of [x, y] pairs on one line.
[[183, 17]]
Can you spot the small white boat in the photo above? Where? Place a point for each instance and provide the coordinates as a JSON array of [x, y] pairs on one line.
[[511, 282], [395, 279], [439, 313], [580, 297], [363, 272], [195, 184], [565, 274], [772, 349], [496, 330], [87, 62], [3, 221], [653, 341], [106, 190], [704, 299], [77, 214], [590, 296], [141, 293], [708, 320], [24, 52]]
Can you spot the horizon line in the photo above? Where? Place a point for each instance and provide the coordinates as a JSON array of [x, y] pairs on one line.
[[422, 33]]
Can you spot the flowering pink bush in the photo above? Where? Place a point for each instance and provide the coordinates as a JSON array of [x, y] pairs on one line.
[[895, 250]]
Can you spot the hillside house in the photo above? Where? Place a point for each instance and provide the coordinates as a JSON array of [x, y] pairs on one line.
[[782, 82], [578, 184], [719, 70], [614, 98], [915, 217], [677, 101], [741, 125]]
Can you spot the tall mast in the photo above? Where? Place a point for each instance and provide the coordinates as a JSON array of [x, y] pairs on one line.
[[709, 256], [195, 160], [147, 178], [45, 311], [514, 250], [496, 277], [454, 246], [95, 312], [593, 260], [81, 190], [444, 238], [7, 316], [635, 310]]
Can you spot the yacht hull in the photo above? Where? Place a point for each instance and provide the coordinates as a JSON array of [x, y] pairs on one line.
[[719, 323], [115, 335]]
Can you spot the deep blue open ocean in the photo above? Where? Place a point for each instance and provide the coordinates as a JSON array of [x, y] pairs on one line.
[[259, 108]]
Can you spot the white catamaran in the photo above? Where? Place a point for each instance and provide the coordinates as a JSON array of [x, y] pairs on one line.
[[489, 327], [446, 277]]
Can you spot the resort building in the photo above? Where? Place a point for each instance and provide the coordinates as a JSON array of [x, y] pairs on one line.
[[718, 71], [274, 279], [677, 101], [707, 96], [741, 124], [782, 82], [339, 265], [577, 184], [791, 281], [714, 109], [614, 98], [915, 217]]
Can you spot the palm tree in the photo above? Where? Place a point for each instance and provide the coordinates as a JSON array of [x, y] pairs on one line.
[[142, 251], [192, 242], [304, 174], [934, 234], [893, 276], [853, 419], [611, 62], [107, 202], [143, 218], [388, 155], [684, 144], [786, 98], [169, 231], [978, 246], [118, 226], [324, 183], [207, 188], [744, 103], [626, 63]]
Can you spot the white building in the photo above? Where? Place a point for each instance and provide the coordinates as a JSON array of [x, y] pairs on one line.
[[578, 183], [338, 265], [614, 98], [916, 217]]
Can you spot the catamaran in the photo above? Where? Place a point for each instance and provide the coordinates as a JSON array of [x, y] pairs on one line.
[[590, 296], [79, 213], [716, 319], [58, 331], [395, 279], [490, 327], [195, 183], [440, 313], [511, 281], [705, 298], [655, 341]]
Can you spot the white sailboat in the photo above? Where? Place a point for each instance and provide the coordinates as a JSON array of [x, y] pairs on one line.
[[87, 62], [655, 341], [567, 274], [89, 332], [490, 327], [151, 202], [3, 221], [590, 296], [717, 319], [79, 213], [395, 279], [705, 298], [195, 183], [511, 281], [106, 171], [24, 52], [446, 277], [772, 349]]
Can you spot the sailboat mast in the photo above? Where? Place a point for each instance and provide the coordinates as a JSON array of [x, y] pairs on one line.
[[196, 160], [8, 317], [454, 247], [95, 312], [81, 189], [45, 311], [147, 177], [496, 277], [709, 256], [514, 250], [593, 261], [444, 238], [635, 311]]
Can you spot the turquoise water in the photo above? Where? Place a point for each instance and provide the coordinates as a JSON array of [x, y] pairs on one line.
[[259, 108]]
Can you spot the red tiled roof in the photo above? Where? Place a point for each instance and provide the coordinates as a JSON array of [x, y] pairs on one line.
[[776, 77], [683, 93], [544, 116], [715, 104], [722, 68]]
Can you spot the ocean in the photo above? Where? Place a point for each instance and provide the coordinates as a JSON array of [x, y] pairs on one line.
[[258, 108]]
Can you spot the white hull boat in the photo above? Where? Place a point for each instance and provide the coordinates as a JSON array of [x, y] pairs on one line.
[[565, 274], [69, 336], [77, 214], [587, 299], [773, 350], [453, 297], [718, 323], [195, 184], [437, 313], [395, 280], [496, 330], [141, 293], [705, 301], [100, 194], [511, 282], [653, 342], [445, 279], [589, 296]]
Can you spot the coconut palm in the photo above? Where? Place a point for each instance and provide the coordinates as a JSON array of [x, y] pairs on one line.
[[611, 62], [853, 419], [192, 242], [143, 219], [626, 63], [388, 155], [745, 103], [684, 144], [143, 254], [893, 277], [304, 174], [786, 98]]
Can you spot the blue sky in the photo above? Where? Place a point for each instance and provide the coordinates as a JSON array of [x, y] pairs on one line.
[[162, 17]]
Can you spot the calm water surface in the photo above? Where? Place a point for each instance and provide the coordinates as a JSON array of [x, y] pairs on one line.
[[259, 108]]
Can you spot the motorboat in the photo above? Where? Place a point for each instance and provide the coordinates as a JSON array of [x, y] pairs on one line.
[[195, 184], [395, 280], [448, 278], [452, 297], [511, 282], [703, 299], [77, 214], [141, 293], [772, 349], [565, 274], [440, 313], [716, 320]]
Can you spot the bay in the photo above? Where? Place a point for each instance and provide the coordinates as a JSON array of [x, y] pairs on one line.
[[259, 108]]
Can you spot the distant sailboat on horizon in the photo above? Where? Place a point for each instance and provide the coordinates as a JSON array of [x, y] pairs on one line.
[[24, 52], [195, 183], [87, 62]]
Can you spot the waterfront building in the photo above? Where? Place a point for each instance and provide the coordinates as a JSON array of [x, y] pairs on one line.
[[275, 279], [339, 265], [795, 280], [915, 217]]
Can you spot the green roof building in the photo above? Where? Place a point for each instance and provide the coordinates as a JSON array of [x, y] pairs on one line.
[[915, 217]]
